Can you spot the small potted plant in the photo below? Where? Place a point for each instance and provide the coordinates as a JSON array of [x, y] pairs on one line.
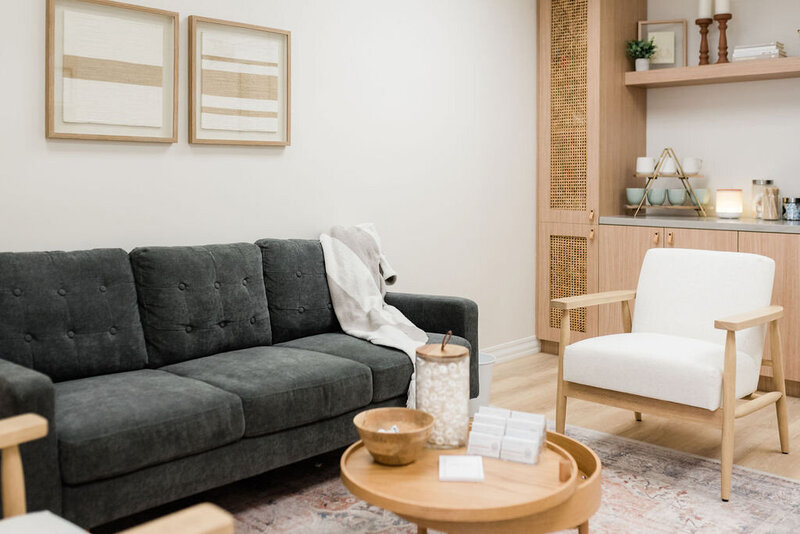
[[641, 52]]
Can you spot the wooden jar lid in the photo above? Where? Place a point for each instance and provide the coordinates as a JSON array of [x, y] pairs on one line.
[[435, 352]]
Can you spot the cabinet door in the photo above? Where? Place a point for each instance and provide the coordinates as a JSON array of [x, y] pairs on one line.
[[566, 266], [785, 250], [568, 185], [622, 250], [723, 240]]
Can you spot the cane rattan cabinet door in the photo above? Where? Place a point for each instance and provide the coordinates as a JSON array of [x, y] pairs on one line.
[[566, 266]]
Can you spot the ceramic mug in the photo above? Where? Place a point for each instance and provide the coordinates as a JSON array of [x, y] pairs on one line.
[[668, 167], [692, 165], [656, 197], [645, 165], [703, 196]]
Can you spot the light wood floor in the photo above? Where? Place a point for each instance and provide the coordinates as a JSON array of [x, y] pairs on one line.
[[529, 384]]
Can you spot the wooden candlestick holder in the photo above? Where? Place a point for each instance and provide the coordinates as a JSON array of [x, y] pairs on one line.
[[704, 24], [722, 19]]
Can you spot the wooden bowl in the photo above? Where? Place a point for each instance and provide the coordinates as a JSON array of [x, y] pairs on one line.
[[394, 448]]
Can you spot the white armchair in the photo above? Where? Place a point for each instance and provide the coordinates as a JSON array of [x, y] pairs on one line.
[[693, 349]]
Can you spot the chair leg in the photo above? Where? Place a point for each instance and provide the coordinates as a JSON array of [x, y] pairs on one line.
[[776, 352], [561, 398], [583, 528], [638, 416], [728, 415], [561, 413]]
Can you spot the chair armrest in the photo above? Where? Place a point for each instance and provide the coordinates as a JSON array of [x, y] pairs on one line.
[[204, 518], [592, 299], [741, 321], [434, 313], [21, 429], [25, 391]]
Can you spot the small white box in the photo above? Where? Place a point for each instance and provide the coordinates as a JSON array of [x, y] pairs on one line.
[[525, 425], [523, 434], [460, 468], [489, 420], [484, 444], [534, 417], [520, 450], [486, 428], [495, 411]]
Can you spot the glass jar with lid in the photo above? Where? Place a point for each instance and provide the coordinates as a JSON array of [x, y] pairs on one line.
[[442, 390], [791, 209], [757, 197]]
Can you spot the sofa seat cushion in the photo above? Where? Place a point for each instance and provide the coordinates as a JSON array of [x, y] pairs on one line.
[[391, 368], [659, 366], [283, 387], [115, 424]]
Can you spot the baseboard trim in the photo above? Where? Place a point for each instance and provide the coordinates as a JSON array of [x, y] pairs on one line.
[[512, 350]]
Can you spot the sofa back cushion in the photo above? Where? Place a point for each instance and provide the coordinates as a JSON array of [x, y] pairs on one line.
[[70, 314], [197, 301], [297, 288]]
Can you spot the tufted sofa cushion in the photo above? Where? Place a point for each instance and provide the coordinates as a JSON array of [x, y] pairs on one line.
[[70, 314], [197, 301], [297, 288]]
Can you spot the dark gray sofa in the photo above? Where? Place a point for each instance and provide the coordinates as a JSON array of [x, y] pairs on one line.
[[172, 370]]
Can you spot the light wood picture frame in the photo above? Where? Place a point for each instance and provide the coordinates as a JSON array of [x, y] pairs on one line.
[[239, 83], [679, 40], [111, 72]]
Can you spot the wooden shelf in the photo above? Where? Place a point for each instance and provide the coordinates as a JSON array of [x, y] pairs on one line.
[[662, 207], [741, 71], [648, 175]]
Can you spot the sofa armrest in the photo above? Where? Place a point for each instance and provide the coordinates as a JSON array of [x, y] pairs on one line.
[[434, 313], [24, 390]]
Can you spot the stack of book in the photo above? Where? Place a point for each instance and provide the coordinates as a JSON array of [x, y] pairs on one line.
[[759, 51]]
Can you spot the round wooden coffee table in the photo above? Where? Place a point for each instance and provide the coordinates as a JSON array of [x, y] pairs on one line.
[[561, 491]]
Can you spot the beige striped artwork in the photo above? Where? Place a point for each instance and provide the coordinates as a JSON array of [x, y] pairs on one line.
[[112, 70], [238, 83]]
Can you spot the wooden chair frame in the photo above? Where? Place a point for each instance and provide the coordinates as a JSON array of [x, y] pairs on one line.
[[723, 417], [13, 432]]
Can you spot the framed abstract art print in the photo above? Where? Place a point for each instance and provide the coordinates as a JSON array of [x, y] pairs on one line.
[[239, 83], [112, 71]]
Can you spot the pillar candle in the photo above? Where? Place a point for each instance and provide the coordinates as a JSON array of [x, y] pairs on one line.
[[722, 6], [704, 9]]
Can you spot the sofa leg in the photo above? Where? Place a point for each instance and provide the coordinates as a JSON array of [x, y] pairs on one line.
[[638, 416]]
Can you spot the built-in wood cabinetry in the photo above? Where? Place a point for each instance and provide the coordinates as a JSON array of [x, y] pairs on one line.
[[591, 128]]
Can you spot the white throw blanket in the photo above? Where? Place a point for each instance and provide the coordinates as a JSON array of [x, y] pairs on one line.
[[358, 274]]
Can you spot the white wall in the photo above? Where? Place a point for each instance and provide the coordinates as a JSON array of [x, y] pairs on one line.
[[416, 115], [744, 130]]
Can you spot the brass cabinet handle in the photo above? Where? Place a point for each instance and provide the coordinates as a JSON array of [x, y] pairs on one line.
[[591, 215], [669, 238], [591, 234], [655, 238]]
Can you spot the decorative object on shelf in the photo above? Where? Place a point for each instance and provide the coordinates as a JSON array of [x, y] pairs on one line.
[[677, 197], [692, 165], [641, 52], [722, 7], [791, 209], [704, 9], [757, 196], [394, 448], [443, 391], [669, 37], [645, 165], [634, 195], [771, 212], [704, 23], [702, 195], [729, 203], [722, 20], [759, 51], [239, 83], [669, 161], [111, 72]]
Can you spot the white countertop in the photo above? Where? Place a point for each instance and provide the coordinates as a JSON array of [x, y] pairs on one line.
[[705, 223]]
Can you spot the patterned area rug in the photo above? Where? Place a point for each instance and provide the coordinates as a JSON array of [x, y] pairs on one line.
[[646, 488]]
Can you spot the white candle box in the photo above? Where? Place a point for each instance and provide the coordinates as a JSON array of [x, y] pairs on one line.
[[525, 451], [484, 444]]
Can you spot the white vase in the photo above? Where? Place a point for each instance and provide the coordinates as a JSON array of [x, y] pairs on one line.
[[642, 63]]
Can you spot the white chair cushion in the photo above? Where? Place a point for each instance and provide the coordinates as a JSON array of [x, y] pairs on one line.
[[682, 292], [659, 366]]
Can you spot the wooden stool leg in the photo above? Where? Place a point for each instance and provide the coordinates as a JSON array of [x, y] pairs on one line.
[[638, 416], [13, 482], [583, 528]]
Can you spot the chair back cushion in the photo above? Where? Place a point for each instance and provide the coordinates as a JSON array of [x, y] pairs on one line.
[[70, 314], [682, 292], [198, 301], [297, 288]]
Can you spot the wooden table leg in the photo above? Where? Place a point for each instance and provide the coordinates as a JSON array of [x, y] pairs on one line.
[[583, 528], [422, 530]]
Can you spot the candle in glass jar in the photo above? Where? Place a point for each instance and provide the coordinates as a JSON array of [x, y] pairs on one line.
[[722, 6], [704, 9]]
